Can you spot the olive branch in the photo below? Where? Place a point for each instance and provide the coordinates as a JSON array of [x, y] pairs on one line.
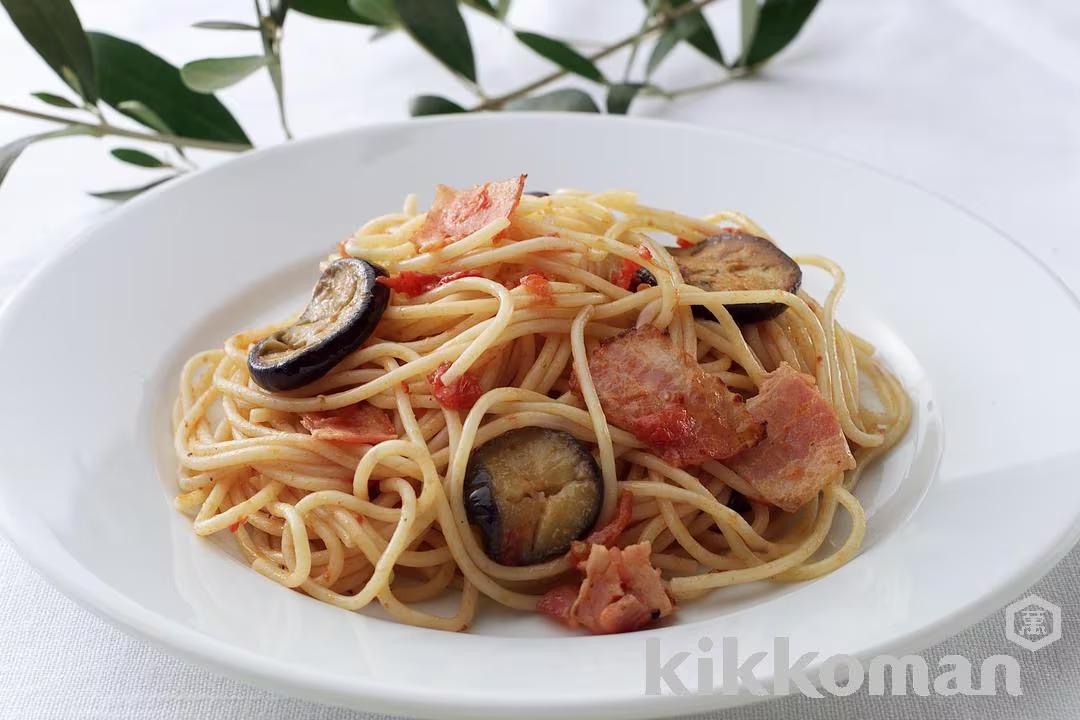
[[120, 89]]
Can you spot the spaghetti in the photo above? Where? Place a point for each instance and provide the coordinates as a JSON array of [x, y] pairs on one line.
[[532, 297]]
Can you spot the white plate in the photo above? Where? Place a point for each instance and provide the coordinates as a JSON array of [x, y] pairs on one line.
[[979, 500]]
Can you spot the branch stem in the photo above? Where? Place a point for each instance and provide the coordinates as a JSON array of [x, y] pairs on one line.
[[271, 34], [660, 24], [103, 129]]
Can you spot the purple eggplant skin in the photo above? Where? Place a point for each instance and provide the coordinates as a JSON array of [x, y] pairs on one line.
[[481, 508], [642, 276], [736, 260], [346, 305], [531, 492], [739, 503], [538, 193]]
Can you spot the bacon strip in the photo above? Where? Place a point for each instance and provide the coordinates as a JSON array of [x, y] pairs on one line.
[[656, 391], [558, 602], [804, 448], [459, 213], [621, 592], [362, 423]]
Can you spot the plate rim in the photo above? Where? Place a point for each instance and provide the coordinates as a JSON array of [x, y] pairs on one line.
[[60, 569]]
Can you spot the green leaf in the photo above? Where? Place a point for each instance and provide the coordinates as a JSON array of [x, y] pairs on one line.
[[502, 8], [433, 105], [223, 25], [562, 55], [620, 96], [439, 28], [778, 23], [132, 156], [749, 12], [338, 10], [55, 100], [127, 71], [212, 74], [567, 99], [483, 6], [692, 28], [72, 80], [10, 152], [128, 193], [140, 113], [278, 10], [667, 41], [700, 35], [381, 12], [53, 29]]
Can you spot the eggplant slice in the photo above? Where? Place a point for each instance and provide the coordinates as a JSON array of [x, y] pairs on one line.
[[532, 492], [736, 260], [642, 276], [345, 307]]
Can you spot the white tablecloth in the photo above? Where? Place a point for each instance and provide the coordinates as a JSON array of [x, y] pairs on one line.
[[978, 100]]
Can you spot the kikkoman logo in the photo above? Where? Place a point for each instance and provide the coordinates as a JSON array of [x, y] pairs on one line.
[[1032, 622], [722, 670]]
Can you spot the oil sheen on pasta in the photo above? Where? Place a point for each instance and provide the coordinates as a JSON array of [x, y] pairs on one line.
[[352, 524]]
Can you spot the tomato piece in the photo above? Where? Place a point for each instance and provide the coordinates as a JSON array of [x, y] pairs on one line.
[[461, 394], [412, 283], [624, 275], [538, 286]]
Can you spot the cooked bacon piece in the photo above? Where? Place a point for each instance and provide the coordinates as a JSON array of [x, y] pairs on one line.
[[458, 213], [412, 283], [804, 447], [659, 393], [670, 425], [558, 602], [621, 592], [461, 394], [608, 534], [362, 423]]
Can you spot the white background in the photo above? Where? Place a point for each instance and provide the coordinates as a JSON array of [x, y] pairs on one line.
[[977, 100]]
